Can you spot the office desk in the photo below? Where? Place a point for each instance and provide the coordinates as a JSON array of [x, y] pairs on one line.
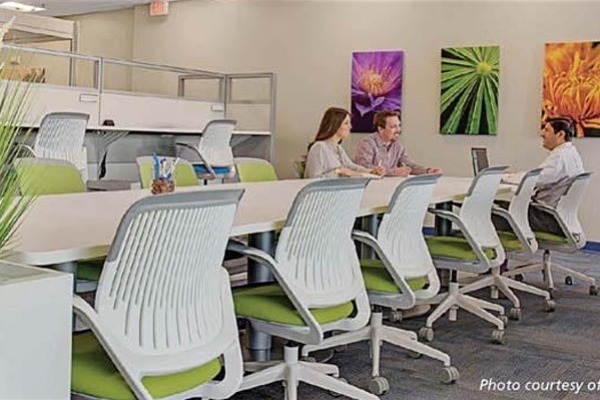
[[105, 136], [59, 230]]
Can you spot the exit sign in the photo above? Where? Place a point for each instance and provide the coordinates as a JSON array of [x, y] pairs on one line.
[[159, 7]]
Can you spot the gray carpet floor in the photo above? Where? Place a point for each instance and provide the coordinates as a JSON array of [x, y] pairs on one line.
[[562, 347]]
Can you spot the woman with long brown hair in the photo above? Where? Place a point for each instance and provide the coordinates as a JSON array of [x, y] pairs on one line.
[[326, 158]]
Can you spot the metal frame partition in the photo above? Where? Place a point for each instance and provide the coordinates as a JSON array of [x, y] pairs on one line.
[[158, 103]]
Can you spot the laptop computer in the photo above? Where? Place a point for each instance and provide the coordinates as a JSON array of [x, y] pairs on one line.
[[479, 158], [480, 161]]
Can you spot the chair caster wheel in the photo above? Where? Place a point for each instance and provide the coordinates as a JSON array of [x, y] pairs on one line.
[[519, 277], [498, 336], [309, 359], [379, 386], [426, 334], [593, 290], [504, 318], [336, 394], [395, 316], [450, 375], [549, 306], [514, 313], [568, 280]]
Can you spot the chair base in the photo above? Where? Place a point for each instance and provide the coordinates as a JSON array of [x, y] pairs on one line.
[[377, 333], [292, 371], [451, 301], [505, 285], [546, 267]]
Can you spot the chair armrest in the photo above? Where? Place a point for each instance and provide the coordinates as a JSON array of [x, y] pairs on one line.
[[29, 149], [268, 261], [256, 255], [195, 150], [455, 219], [408, 294], [85, 312], [552, 211]]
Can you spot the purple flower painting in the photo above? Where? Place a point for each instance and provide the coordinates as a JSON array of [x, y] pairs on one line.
[[376, 85]]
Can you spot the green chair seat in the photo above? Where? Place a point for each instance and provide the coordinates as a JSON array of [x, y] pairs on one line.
[[256, 172], [270, 303], [90, 270], [550, 237], [509, 241], [94, 374], [37, 178], [454, 247], [378, 279]]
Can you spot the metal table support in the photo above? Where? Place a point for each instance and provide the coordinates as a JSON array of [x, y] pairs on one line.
[[259, 343]]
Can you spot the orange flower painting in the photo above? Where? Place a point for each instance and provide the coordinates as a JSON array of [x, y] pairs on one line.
[[572, 85]]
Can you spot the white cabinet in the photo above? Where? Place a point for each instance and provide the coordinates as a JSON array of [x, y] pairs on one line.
[[35, 333]]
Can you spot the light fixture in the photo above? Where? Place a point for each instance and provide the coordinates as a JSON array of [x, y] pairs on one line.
[[12, 5]]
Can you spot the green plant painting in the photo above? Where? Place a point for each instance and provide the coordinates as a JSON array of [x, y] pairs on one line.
[[469, 99]]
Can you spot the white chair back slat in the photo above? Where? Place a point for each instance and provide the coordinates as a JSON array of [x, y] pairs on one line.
[[160, 289], [316, 253], [61, 136], [476, 209], [568, 205], [519, 204], [215, 144], [400, 233]]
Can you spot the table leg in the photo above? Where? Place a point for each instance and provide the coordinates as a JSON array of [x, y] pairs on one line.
[[369, 224], [443, 227], [102, 140], [259, 343]]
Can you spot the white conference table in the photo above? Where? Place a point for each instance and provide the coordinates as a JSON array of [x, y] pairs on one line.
[[60, 230], [65, 228]]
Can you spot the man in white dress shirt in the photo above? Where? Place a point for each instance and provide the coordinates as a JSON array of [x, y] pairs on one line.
[[561, 166]]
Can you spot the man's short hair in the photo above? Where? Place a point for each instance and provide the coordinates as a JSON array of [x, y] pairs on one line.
[[565, 124], [380, 117]]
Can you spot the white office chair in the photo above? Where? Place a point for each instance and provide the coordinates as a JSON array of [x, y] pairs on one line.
[[565, 214], [476, 251], [403, 273], [61, 136], [163, 323], [319, 286], [519, 243], [214, 151]]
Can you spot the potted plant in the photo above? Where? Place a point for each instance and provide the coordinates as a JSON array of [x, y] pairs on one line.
[[13, 106]]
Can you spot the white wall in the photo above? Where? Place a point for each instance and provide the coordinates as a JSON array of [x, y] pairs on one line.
[[108, 34], [309, 45]]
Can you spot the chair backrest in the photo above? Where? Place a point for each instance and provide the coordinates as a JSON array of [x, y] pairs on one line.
[[163, 294], [479, 158], [568, 205], [519, 204], [61, 136], [183, 176], [215, 141], [315, 252], [400, 232], [42, 176], [254, 170], [476, 210]]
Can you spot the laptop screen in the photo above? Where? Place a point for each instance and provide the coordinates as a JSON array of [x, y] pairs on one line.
[[479, 158]]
